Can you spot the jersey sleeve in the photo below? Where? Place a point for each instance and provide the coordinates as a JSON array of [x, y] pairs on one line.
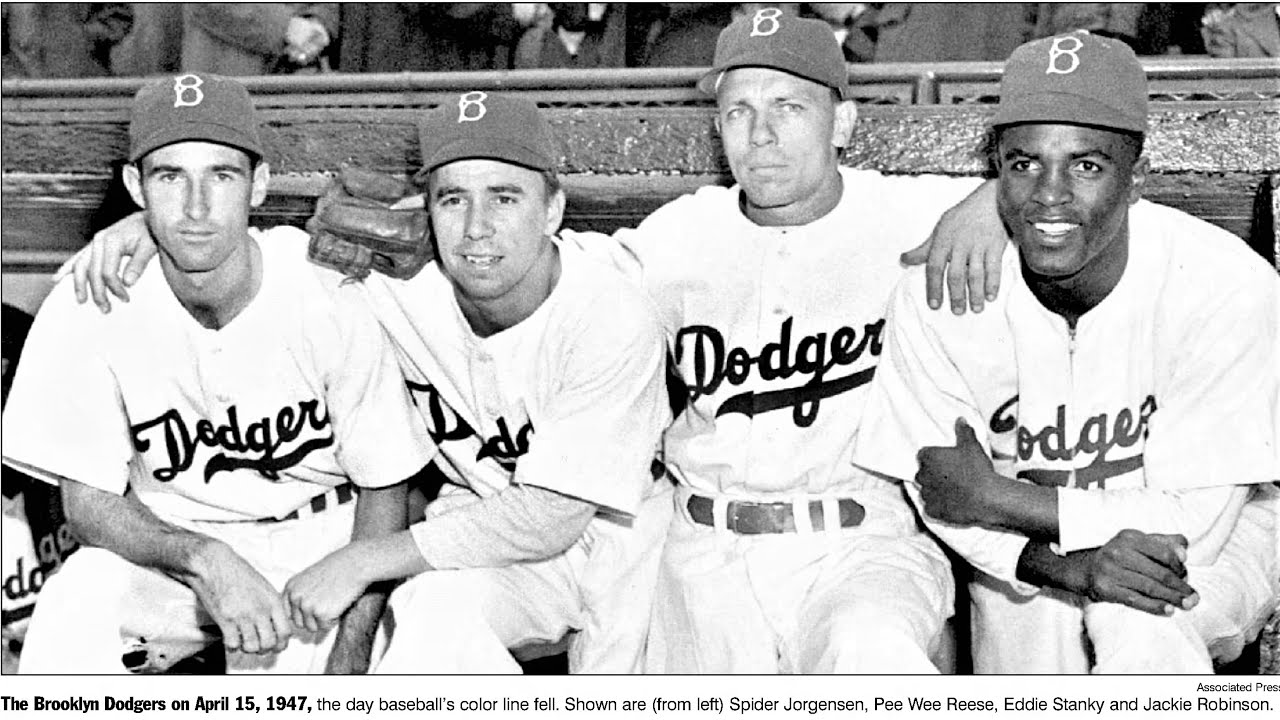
[[380, 436], [1215, 423], [914, 401], [601, 425], [518, 524], [65, 417], [1089, 518]]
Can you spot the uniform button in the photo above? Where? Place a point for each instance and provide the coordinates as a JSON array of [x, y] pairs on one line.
[[779, 311], [223, 397]]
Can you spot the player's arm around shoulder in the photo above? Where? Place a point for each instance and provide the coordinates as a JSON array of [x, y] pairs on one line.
[[954, 220], [652, 251]]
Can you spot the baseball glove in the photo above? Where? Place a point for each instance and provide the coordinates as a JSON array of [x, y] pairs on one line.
[[355, 230]]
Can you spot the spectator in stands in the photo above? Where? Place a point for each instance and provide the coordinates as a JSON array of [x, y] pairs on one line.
[[62, 40], [939, 32], [842, 18], [397, 37], [1242, 29], [575, 35], [1117, 20], [255, 38], [684, 34], [154, 45]]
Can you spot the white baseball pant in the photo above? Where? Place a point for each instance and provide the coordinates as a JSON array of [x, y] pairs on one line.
[[867, 599], [1057, 633], [600, 590], [100, 609]]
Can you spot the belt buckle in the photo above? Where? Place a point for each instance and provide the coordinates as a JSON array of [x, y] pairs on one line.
[[731, 515]]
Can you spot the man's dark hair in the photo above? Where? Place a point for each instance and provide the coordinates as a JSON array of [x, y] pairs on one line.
[[989, 147], [550, 183], [254, 160]]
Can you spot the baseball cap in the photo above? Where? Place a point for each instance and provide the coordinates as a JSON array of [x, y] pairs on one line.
[[771, 38], [487, 125], [1077, 78], [194, 106]]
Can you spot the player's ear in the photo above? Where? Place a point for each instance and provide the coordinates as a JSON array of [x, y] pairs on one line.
[[1141, 167], [261, 179], [133, 183], [845, 117], [555, 212]]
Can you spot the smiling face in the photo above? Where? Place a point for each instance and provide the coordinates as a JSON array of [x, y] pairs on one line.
[[197, 196], [1065, 192], [493, 223], [780, 135]]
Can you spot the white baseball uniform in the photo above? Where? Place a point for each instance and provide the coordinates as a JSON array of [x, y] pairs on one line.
[[776, 331], [223, 432], [1157, 412], [571, 399]]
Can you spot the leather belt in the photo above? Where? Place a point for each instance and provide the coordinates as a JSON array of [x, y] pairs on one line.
[[758, 518], [340, 495]]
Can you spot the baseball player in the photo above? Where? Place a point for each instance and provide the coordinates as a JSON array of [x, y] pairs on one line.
[[206, 437], [782, 555], [540, 375], [1099, 443]]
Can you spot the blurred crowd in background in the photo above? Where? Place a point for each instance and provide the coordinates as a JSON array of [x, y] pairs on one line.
[[59, 40]]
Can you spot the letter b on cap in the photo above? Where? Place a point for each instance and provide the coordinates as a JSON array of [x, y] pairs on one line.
[[1056, 51], [471, 106], [765, 22], [186, 91]]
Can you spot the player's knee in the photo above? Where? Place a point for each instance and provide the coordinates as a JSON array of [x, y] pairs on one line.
[[873, 625]]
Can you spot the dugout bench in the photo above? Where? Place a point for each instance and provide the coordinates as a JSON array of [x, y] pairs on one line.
[[632, 139]]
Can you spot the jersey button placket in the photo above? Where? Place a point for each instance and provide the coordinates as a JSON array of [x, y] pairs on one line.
[[217, 361], [486, 385]]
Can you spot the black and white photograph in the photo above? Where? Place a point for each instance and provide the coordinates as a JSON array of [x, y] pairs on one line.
[[714, 341]]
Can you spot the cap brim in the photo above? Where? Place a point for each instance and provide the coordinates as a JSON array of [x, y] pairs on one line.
[[489, 148], [195, 132], [1063, 108], [707, 83]]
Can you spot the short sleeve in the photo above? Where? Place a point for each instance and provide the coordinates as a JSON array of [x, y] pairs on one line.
[[64, 417], [914, 401], [1216, 421], [600, 427]]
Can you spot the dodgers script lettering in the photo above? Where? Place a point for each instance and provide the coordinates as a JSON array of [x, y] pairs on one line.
[[711, 364], [444, 424], [262, 438], [1098, 436]]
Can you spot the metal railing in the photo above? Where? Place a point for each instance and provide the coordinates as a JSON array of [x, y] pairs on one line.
[[890, 83]]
